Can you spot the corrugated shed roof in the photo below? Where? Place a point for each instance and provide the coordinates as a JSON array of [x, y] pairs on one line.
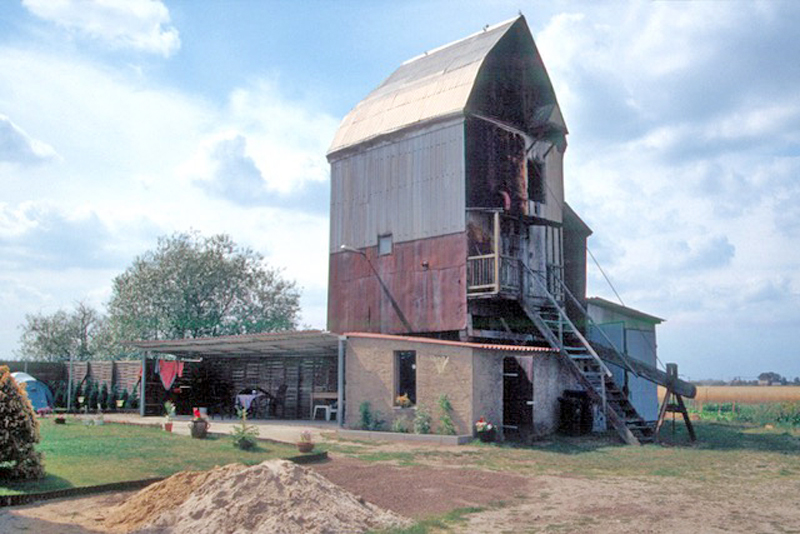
[[434, 85], [299, 343], [624, 310], [432, 341]]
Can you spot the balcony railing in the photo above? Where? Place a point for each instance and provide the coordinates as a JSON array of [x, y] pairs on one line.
[[490, 274]]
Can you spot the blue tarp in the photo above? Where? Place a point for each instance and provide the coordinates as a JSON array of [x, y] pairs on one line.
[[38, 392]]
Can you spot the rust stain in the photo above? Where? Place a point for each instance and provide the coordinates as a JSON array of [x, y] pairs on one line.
[[425, 277]]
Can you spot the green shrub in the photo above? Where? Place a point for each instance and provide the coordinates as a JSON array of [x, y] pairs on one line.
[[102, 397], [124, 397], [400, 424], [446, 425], [422, 421], [19, 432], [369, 420]]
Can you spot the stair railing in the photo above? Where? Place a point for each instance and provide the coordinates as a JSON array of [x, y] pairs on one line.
[[563, 314], [591, 322]]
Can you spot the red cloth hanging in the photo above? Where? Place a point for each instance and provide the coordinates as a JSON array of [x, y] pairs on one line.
[[168, 370]]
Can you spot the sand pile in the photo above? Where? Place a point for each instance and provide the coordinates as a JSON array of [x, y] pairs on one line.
[[162, 496], [273, 497]]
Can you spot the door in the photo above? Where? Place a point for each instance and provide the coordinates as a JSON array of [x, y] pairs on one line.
[[518, 397]]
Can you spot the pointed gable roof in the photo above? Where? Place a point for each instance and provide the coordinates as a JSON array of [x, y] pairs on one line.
[[433, 86]]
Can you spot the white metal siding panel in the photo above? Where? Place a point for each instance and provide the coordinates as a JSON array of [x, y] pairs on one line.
[[640, 344], [413, 188]]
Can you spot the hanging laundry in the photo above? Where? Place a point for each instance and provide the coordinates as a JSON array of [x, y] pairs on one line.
[[168, 370]]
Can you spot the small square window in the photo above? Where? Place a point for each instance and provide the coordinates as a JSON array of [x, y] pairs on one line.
[[537, 188], [384, 244]]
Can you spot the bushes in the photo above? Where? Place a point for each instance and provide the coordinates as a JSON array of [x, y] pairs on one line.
[[369, 420], [19, 432]]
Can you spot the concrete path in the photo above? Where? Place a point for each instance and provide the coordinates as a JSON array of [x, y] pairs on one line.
[[286, 431]]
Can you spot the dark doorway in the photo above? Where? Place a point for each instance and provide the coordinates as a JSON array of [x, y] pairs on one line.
[[518, 398]]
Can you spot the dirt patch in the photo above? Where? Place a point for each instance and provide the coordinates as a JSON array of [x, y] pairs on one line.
[[418, 491]]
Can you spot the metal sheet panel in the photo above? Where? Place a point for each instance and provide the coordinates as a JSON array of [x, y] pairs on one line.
[[412, 188], [425, 278], [432, 85]]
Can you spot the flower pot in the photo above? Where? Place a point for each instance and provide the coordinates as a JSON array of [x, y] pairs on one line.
[[168, 426], [486, 436], [60, 421], [305, 446], [199, 428]]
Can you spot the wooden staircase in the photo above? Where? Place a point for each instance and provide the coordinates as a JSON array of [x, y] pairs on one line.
[[589, 369]]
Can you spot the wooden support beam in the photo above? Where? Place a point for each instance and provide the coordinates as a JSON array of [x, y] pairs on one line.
[[684, 389]]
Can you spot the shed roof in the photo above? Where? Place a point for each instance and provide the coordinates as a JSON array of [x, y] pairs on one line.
[[433, 341], [624, 310], [300, 343], [433, 86]]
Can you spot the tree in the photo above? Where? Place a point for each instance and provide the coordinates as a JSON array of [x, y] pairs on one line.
[[771, 378], [195, 286], [81, 334], [19, 432]]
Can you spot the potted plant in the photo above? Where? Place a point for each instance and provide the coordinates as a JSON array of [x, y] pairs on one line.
[[60, 419], [485, 430], [169, 407], [403, 401], [305, 444], [199, 425], [244, 435]]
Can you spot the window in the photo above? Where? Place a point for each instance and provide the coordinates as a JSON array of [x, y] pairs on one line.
[[536, 182], [405, 365], [384, 244]]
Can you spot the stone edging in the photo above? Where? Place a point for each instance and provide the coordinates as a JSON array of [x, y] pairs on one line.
[[399, 436]]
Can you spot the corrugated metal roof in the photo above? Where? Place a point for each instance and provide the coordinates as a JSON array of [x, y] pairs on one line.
[[432, 341], [300, 343], [624, 310], [434, 85]]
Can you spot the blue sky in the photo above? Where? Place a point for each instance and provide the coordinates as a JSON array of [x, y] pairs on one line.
[[124, 121]]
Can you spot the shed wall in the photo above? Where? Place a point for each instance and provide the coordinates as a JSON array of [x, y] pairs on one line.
[[410, 186], [370, 376]]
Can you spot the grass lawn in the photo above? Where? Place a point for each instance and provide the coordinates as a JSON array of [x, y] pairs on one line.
[[77, 455]]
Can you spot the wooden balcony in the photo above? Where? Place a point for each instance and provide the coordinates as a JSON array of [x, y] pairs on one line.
[[492, 274]]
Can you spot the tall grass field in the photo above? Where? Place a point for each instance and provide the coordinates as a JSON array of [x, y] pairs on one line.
[[741, 394], [758, 405]]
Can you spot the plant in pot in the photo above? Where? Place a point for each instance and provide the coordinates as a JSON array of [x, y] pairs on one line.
[[244, 435], [305, 444], [169, 407], [485, 429], [199, 425]]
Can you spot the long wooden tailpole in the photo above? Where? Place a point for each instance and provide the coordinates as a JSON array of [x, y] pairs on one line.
[[677, 407]]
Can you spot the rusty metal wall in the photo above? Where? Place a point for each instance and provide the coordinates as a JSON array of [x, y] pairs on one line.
[[426, 278], [411, 187]]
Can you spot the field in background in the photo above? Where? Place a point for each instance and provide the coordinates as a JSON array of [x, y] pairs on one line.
[[753, 405], [741, 394]]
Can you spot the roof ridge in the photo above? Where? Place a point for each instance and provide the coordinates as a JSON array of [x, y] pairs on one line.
[[485, 29]]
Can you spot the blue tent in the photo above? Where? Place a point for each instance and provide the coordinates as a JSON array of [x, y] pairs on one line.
[[38, 392]]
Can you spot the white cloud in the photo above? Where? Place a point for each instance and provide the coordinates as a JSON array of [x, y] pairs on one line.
[[142, 25], [16, 146]]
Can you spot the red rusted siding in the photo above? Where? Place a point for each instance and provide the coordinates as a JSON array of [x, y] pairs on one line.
[[426, 278]]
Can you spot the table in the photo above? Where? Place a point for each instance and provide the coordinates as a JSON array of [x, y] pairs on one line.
[[245, 400], [324, 396]]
